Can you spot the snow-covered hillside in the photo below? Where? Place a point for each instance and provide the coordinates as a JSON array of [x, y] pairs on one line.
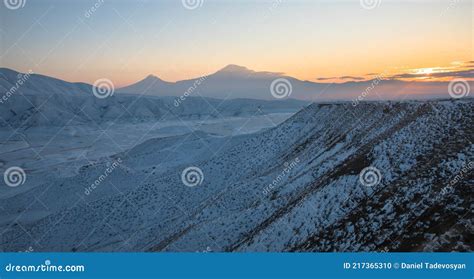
[[294, 187], [45, 101]]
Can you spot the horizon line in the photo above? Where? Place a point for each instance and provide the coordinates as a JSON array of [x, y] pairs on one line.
[[352, 79]]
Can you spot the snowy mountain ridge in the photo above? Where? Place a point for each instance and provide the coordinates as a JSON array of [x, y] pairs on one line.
[[45, 101]]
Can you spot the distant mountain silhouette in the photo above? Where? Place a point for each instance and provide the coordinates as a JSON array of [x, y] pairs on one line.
[[234, 81]]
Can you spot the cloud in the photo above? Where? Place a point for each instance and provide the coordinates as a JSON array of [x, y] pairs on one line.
[[342, 78], [461, 70], [327, 78], [453, 74], [352, 77]]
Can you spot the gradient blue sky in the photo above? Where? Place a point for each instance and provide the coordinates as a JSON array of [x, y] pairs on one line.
[[127, 40]]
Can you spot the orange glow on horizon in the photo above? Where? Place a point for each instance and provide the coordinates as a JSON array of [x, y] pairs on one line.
[[431, 74]]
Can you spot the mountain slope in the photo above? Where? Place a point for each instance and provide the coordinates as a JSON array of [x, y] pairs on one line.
[[295, 187], [147, 86], [45, 101]]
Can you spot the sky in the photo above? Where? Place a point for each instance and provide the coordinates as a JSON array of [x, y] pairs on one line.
[[320, 41]]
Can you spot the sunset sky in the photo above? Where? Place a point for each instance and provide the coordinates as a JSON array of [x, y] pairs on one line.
[[319, 41]]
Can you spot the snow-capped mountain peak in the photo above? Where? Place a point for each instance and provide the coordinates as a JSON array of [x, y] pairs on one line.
[[235, 69]]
